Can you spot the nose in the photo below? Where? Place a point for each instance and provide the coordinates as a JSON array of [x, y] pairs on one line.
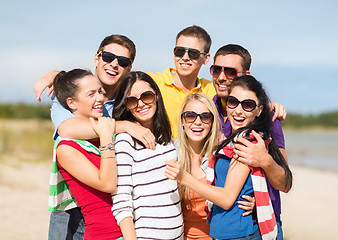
[[114, 63], [198, 120], [186, 55], [100, 97], [140, 103], [238, 110], [223, 77]]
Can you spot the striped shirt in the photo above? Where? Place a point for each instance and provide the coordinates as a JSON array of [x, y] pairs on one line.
[[144, 192]]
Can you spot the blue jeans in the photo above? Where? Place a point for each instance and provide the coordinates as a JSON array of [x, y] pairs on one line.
[[66, 225], [279, 229]]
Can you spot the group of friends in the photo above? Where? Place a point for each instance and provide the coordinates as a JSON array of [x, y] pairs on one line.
[[165, 155]]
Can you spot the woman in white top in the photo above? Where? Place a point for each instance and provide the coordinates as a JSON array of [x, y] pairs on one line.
[[146, 204]]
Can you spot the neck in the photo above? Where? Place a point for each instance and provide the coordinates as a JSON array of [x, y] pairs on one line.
[[148, 125], [185, 82], [110, 92], [195, 148], [223, 109]]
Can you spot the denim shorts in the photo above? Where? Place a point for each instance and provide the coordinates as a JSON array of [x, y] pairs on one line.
[[66, 225]]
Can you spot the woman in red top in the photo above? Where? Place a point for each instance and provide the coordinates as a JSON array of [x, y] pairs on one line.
[[90, 174]]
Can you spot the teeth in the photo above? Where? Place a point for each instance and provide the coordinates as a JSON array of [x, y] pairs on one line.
[[111, 72], [144, 110], [98, 107], [197, 130], [185, 65], [239, 118]]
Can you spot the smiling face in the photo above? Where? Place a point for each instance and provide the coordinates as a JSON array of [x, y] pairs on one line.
[[184, 65], [110, 73], [143, 113], [221, 83], [237, 116], [89, 99], [196, 131]]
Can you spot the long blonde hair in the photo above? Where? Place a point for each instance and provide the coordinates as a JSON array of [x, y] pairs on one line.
[[209, 145]]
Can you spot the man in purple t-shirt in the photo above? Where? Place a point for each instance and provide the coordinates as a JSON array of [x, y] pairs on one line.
[[230, 61]]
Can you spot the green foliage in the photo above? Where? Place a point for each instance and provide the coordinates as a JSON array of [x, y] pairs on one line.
[[24, 111], [326, 120]]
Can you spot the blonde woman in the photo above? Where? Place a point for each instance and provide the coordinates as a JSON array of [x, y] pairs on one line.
[[198, 133], [198, 136]]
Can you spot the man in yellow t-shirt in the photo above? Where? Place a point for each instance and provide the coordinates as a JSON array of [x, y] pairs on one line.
[[190, 53]]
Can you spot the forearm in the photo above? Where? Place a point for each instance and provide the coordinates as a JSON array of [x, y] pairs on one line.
[[108, 169], [122, 126], [77, 128], [275, 174], [127, 228], [219, 196]]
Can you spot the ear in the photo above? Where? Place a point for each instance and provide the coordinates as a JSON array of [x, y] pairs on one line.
[[206, 58], [260, 109], [130, 67], [71, 103], [96, 60], [247, 72]]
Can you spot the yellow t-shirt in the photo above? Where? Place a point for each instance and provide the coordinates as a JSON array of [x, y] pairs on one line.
[[173, 95]]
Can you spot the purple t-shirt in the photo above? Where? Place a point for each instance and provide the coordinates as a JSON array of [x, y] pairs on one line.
[[278, 138]]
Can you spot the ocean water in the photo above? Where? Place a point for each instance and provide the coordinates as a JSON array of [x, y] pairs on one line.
[[317, 149]]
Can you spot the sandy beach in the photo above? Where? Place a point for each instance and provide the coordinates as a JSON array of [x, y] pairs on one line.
[[308, 212]]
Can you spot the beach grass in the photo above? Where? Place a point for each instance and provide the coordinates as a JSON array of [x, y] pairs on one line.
[[26, 140]]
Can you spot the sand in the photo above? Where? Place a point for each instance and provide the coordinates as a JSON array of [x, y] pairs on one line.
[[309, 211]]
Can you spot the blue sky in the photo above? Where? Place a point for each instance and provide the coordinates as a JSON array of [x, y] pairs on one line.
[[294, 44]]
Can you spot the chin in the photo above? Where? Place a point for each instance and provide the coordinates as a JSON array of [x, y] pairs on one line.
[[222, 94]]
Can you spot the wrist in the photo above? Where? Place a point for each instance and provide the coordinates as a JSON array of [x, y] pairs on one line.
[[183, 178], [104, 140], [108, 147], [267, 162]]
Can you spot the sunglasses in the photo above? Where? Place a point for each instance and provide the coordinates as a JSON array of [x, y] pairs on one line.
[[193, 54], [191, 116], [248, 105], [229, 72], [108, 57], [147, 97]]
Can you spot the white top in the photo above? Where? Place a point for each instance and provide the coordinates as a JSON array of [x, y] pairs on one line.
[[144, 192]]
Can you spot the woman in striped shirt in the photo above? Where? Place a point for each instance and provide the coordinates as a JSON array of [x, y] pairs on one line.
[[146, 204]]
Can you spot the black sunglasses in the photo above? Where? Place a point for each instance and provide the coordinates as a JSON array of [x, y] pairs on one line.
[[191, 116], [108, 57], [229, 72], [147, 97], [193, 54], [248, 105]]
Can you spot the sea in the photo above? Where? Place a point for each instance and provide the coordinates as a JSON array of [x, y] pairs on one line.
[[313, 148]]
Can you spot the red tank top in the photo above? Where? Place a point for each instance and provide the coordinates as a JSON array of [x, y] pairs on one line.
[[95, 205]]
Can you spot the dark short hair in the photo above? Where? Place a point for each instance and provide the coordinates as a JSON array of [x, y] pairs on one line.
[[120, 40], [197, 32], [237, 50], [66, 84], [161, 124]]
